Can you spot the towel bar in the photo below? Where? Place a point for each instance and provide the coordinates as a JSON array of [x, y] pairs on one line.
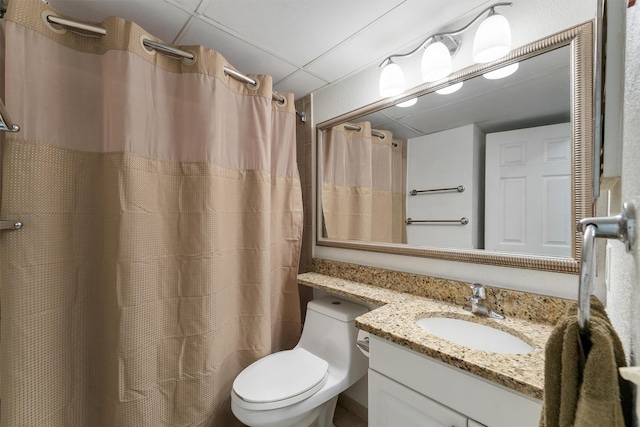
[[462, 221], [459, 189], [621, 227]]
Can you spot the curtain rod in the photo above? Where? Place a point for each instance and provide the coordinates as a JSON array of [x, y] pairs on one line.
[[166, 49], [350, 126]]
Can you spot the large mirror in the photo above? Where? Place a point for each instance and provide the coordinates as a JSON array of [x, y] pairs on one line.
[[496, 172]]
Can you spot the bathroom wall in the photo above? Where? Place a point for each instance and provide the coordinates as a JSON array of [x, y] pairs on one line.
[[529, 21], [303, 153], [623, 292]]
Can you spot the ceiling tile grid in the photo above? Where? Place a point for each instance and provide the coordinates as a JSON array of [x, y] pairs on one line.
[[241, 55], [303, 44], [300, 31]]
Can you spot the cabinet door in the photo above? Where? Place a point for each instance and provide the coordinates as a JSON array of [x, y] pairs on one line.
[[392, 405]]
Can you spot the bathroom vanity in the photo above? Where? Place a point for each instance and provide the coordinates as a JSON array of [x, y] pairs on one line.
[[416, 378], [408, 388]]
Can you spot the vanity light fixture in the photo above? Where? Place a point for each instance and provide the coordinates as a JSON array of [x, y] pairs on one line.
[[492, 40], [391, 80], [503, 72], [436, 62]]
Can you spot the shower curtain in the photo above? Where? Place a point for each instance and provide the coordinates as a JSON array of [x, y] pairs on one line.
[[362, 185], [162, 220]]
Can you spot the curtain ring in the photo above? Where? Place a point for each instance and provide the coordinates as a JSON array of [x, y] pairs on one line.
[[281, 102], [149, 50], [190, 61], [255, 86], [56, 28]]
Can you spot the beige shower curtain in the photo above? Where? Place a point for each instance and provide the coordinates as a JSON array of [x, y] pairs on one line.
[[163, 218], [362, 185]]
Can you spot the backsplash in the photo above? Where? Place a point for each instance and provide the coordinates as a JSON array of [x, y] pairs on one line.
[[534, 307]]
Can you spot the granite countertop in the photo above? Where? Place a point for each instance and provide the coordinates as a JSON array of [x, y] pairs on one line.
[[396, 319]]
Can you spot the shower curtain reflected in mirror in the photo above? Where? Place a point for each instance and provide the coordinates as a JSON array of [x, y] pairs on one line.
[[362, 184], [163, 218]]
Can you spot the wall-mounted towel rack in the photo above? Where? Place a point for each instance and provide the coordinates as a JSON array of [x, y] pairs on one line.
[[459, 189], [461, 221], [621, 227]]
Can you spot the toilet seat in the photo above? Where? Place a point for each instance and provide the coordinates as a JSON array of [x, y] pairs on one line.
[[280, 379]]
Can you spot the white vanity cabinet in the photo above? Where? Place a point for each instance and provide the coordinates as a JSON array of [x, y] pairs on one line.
[[392, 404], [412, 390]]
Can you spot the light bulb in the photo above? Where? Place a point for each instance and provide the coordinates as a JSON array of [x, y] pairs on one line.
[[436, 62], [492, 40], [449, 89], [391, 80], [503, 72]]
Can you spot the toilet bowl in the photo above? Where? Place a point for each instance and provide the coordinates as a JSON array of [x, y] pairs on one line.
[[300, 387]]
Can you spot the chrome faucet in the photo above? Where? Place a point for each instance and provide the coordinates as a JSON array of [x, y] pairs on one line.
[[477, 305]]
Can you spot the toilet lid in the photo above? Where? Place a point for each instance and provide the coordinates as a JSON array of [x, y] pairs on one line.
[[281, 376]]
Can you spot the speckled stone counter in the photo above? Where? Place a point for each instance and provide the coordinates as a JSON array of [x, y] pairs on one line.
[[537, 308], [396, 319]]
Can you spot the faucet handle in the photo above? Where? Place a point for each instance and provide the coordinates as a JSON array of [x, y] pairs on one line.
[[479, 292]]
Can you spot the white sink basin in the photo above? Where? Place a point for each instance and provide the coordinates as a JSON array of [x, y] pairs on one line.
[[474, 335]]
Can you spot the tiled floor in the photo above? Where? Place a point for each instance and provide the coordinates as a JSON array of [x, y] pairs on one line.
[[344, 418]]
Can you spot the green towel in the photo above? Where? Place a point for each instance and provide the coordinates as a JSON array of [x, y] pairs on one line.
[[582, 385]]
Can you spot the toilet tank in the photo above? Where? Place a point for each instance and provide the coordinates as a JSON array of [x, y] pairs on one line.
[[337, 308], [329, 332]]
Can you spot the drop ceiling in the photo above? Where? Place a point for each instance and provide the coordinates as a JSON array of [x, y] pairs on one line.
[[303, 44]]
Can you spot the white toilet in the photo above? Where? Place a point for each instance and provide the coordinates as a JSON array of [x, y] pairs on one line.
[[300, 387]]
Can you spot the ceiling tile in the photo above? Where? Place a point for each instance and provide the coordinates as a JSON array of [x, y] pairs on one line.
[[241, 55], [299, 30], [383, 37], [401, 131], [160, 19], [190, 5], [299, 83]]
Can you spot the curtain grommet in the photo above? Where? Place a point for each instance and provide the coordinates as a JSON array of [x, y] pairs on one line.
[[255, 86], [147, 49], [190, 62], [56, 28], [281, 103]]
